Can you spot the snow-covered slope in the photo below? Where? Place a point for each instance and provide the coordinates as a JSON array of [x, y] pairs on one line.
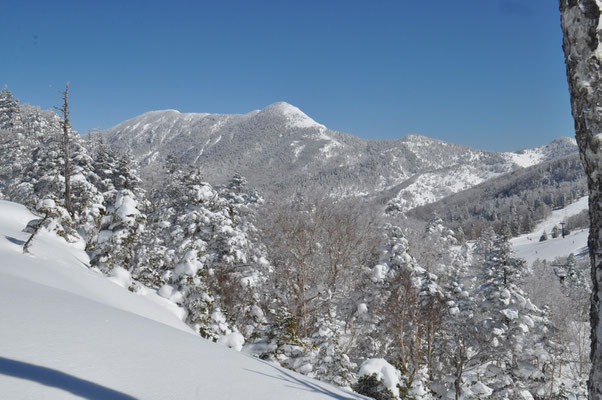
[[528, 157], [530, 248], [69, 332], [281, 148], [447, 169]]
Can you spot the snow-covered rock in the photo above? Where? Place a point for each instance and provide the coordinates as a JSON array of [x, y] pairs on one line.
[[121, 277], [232, 340]]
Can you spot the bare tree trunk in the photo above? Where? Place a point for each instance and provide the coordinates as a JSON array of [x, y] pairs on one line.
[[583, 57], [460, 359], [554, 359], [64, 110], [35, 228], [303, 299]]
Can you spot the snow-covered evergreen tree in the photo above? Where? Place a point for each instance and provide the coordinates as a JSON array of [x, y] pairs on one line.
[[543, 237], [514, 327], [123, 223], [34, 171], [398, 311], [200, 245], [9, 111], [119, 235]]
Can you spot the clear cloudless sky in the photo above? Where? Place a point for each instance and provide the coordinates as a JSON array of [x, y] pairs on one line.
[[485, 73]]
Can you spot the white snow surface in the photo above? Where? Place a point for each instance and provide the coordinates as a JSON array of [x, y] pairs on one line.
[[529, 157], [526, 158], [69, 332], [121, 277], [530, 248], [232, 340]]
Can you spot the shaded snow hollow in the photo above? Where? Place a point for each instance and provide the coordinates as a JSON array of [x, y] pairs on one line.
[[70, 332]]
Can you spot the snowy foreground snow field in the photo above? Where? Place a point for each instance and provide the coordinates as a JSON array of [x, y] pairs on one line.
[[530, 248], [69, 332]]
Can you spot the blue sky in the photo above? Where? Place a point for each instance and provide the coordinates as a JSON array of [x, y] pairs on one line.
[[485, 73]]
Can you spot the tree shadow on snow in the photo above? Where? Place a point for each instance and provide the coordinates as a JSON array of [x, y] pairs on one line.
[[15, 240], [60, 380], [306, 384], [583, 252]]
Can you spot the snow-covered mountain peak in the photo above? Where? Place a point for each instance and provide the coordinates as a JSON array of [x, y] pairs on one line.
[[168, 111], [284, 108], [295, 118]]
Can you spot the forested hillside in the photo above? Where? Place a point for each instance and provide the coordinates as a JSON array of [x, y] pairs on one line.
[[512, 203], [100, 341], [331, 288]]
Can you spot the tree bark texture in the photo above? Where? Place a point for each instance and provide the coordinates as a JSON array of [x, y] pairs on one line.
[[583, 57]]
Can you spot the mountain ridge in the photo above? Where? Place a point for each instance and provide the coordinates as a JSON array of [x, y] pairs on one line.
[[282, 149]]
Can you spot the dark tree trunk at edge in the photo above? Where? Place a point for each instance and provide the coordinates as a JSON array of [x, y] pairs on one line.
[[579, 20]]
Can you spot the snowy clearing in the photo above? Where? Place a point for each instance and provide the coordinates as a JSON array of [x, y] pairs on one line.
[[530, 248], [69, 332]]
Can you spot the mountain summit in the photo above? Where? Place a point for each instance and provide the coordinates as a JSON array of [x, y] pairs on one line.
[[293, 116], [280, 148]]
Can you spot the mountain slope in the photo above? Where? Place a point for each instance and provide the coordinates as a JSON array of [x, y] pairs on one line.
[[526, 194], [68, 331], [529, 247], [281, 149]]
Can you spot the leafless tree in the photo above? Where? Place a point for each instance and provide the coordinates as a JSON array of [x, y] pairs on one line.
[[64, 111], [318, 246]]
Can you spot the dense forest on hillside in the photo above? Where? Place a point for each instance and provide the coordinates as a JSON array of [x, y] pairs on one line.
[[512, 203]]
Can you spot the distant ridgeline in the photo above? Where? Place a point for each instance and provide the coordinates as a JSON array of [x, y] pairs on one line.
[[512, 203], [281, 151]]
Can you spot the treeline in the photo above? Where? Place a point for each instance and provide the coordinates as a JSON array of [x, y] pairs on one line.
[[513, 203]]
